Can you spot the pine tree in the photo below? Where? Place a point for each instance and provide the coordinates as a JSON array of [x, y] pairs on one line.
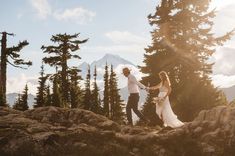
[[17, 104], [182, 43], [62, 53], [106, 92], [222, 98], [75, 90], [8, 55], [87, 96], [22, 100], [56, 94], [95, 98], [40, 99], [116, 104], [2, 98], [48, 99]]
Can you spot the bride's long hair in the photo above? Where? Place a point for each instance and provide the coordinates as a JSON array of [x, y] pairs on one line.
[[165, 77]]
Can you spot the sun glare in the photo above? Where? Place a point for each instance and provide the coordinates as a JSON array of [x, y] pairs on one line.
[[219, 4]]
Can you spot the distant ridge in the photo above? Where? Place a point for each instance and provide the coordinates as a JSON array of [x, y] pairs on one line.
[[11, 98]]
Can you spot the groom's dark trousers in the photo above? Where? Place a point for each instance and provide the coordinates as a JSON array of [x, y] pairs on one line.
[[132, 103]]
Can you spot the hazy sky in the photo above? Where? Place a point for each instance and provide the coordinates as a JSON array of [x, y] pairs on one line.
[[112, 26]]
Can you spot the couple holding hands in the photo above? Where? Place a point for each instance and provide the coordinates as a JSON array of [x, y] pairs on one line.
[[163, 107]]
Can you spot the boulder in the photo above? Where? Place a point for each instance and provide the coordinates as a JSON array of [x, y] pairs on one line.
[[58, 131]]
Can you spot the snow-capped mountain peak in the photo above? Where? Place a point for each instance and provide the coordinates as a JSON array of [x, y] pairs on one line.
[[110, 59], [115, 60]]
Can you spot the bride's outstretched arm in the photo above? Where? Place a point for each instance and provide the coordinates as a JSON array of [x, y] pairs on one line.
[[155, 87]]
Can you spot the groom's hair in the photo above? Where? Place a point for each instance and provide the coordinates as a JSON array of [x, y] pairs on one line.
[[126, 70]]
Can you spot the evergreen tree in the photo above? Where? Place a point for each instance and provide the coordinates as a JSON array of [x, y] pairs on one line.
[[17, 104], [56, 94], [22, 100], [95, 98], [106, 92], [222, 98], [75, 90], [8, 55], [182, 43], [2, 98], [40, 99], [48, 99], [62, 53], [116, 104], [87, 96]]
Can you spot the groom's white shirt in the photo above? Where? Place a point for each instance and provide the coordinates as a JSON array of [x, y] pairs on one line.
[[133, 84]]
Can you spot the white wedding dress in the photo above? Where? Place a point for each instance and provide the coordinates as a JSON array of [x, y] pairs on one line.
[[165, 112]]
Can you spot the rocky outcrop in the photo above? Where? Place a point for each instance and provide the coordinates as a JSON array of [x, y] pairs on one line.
[[75, 132]]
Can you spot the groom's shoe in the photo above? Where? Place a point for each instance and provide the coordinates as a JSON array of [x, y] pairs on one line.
[[129, 124], [166, 129], [147, 121]]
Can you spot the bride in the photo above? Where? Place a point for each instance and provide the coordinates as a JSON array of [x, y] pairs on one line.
[[163, 107]]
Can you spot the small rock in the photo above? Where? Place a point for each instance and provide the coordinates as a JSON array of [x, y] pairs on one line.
[[197, 130]]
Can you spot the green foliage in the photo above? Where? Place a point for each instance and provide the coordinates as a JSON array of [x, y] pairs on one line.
[[40, 99], [48, 100], [22, 100], [65, 50], [11, 56], [75, 90], [95, 97], [17, 104], [56, 94], [87, 95], [116, 104], [182, 43], [222, 99], [106, 92]]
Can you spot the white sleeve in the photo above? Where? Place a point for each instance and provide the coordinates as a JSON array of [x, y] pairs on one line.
[[133, 79]]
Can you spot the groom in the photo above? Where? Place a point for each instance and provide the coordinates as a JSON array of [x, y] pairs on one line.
[[133, 88]]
